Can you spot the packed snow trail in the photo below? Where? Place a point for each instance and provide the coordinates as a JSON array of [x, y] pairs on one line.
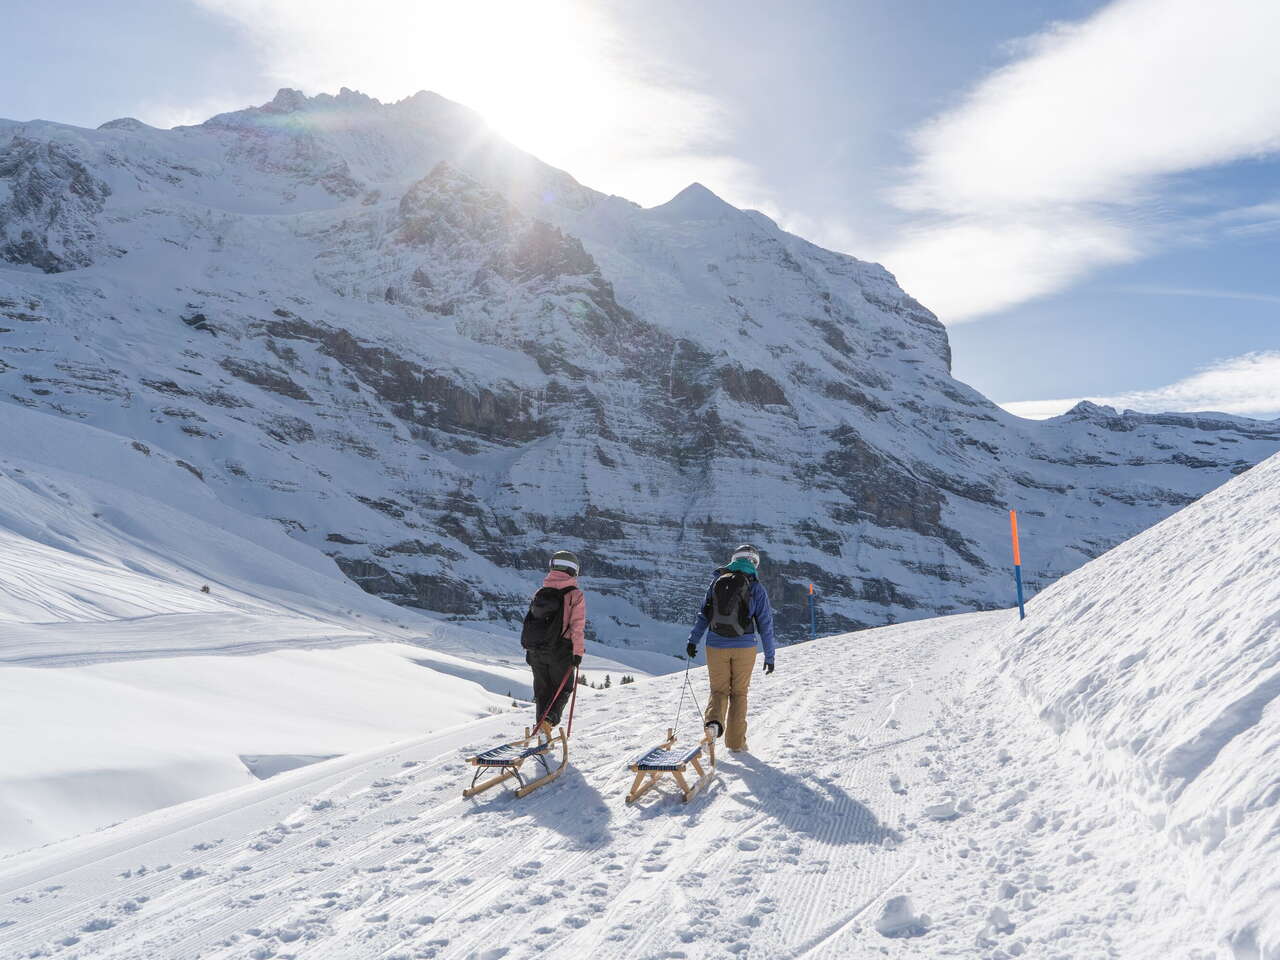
[[884, 764]]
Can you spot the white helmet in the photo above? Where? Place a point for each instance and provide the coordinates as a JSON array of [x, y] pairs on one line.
[[565, 561], [746, 552]]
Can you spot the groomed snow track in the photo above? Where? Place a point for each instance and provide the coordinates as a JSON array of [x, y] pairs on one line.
[[886, 763]]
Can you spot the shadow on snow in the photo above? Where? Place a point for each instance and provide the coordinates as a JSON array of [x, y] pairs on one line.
[[569, 805], [816, 806]]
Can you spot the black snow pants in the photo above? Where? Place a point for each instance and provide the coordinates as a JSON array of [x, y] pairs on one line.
[[550, 664]]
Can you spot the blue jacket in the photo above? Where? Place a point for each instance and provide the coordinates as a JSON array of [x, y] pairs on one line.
[[761, 615]]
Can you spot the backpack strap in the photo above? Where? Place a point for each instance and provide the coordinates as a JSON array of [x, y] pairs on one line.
[[564, 609]]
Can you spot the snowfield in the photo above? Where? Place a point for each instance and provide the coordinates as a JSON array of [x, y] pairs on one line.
[[1160, 664], [124, 687], [886, 764]]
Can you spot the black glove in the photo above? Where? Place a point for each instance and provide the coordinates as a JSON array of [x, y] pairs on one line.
[[768, 667], [692, 650], [577, 659]]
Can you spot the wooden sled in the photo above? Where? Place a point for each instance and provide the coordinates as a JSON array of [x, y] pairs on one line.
[[508, 757], [650, 767]]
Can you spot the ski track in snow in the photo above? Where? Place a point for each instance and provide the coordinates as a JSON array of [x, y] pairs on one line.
[[791, 852]]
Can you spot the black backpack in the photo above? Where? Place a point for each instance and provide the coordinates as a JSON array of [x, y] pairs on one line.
[[728, 609], [544, 623]]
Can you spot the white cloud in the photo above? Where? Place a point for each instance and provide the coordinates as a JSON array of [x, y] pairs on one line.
[[553, 76], [1208, 293], [1054, 165], [1248, 386], [977, 264]]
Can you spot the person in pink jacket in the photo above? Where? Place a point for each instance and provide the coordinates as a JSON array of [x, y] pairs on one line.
[[554, 637]]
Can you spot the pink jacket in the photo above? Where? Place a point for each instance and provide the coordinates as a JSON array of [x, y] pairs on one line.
[[575, 609]]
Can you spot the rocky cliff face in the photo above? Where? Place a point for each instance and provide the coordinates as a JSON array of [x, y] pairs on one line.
[[49, 206], [436, 359]]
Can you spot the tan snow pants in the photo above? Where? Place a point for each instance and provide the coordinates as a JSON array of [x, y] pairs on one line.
[[729, 669]]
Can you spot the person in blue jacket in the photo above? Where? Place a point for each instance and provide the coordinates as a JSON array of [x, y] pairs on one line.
[[735, 610]]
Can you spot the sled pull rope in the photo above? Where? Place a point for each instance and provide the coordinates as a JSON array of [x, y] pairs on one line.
[[676, 729], [687, 685], [573, 700], [693, 693], [556, 696]]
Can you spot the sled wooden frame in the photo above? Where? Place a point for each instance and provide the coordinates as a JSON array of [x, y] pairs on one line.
[[649, 777], [511, 768]]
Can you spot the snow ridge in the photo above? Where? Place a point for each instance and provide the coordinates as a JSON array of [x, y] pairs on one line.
[[1160, 664]]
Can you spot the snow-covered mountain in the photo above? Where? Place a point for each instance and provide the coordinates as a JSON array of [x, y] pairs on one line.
[[434, 358]]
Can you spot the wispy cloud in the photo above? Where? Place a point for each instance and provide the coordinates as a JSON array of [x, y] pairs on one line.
[[1058, 163], [554, 76], [1248, 386], [1205, 292]]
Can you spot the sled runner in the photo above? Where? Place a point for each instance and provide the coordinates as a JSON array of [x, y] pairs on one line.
[[537, 745], [663, 759]]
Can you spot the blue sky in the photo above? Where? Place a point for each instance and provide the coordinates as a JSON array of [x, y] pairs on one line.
[[1087, 193]]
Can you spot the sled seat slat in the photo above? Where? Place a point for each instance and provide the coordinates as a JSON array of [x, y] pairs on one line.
[[667, 760], [508, 755]]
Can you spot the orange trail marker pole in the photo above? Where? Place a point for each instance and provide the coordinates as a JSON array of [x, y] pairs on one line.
[[813, 614], [1017, 563]]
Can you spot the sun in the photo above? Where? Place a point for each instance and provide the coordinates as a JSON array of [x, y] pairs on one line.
[[555, 77]]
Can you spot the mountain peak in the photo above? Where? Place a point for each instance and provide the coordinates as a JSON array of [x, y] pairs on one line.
[[695, 202], [286, 100], [1088, 410], [126, 123], [289, 101]]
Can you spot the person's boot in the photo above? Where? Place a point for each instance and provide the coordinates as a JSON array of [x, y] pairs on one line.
[[544, 730]]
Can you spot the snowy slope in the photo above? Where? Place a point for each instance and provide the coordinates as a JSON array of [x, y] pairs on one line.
[[901, 798], [1160, 665], [125, 687], [886, 764], [414, 348]]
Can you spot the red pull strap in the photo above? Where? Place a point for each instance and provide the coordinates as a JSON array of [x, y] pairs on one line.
[[556, 696], [572, 701]]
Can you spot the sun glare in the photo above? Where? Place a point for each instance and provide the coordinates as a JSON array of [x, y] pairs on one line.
[[553, 76], [543, 79]]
